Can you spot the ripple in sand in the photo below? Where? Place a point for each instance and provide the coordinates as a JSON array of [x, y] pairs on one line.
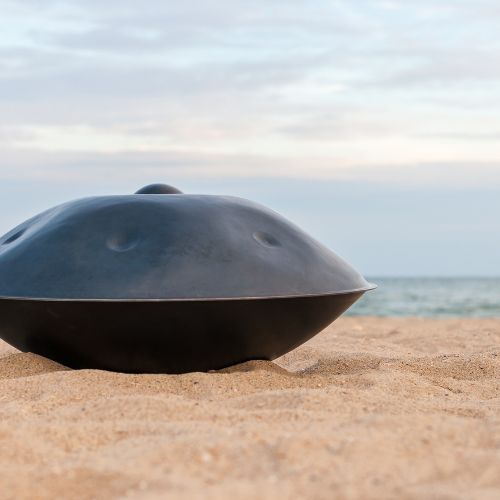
[[256, 365], [459, 367]]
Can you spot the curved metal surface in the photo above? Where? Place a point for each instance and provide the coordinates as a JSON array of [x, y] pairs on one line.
[[166, 337], [158, 189], [174, 246]]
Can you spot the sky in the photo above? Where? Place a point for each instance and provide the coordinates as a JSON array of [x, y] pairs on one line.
[[375, 125]]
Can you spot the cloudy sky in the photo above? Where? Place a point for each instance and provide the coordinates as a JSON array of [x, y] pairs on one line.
[[373, 124]]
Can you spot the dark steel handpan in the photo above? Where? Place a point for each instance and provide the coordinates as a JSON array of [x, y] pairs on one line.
[[161, 281]]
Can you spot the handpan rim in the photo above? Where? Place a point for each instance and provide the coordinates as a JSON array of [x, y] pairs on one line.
[[371, 286]]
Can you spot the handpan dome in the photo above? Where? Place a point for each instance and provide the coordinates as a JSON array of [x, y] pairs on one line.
[[169, 256]]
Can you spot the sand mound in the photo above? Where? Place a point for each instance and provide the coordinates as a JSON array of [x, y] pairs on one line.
[[26, 364], [370, 408]]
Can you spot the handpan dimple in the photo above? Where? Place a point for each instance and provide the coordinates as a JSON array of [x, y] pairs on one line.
[[161, 281], [122, 242], [14, 237], [265, 239]]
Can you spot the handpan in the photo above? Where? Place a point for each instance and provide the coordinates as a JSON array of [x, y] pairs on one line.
[[166, 282]]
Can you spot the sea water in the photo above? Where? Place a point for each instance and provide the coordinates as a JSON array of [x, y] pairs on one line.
[[431, 297]]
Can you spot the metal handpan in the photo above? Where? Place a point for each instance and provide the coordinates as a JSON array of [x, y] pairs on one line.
[[161, 281]]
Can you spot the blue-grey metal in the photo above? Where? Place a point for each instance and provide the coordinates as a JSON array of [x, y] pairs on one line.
[[158, 189], [161, 281], [175, 246]]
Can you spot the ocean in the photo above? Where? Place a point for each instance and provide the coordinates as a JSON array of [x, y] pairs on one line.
[[431, 297]]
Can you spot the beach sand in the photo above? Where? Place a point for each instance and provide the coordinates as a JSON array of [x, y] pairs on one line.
[[369, 408]]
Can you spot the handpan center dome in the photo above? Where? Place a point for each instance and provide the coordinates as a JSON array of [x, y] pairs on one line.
[[158, 189]]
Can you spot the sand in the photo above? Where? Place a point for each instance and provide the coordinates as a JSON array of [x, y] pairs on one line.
[[370, 408]]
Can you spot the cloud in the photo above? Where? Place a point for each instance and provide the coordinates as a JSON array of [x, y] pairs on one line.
[[486, 136], [132, 167], [248, 88], [451, 68]]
